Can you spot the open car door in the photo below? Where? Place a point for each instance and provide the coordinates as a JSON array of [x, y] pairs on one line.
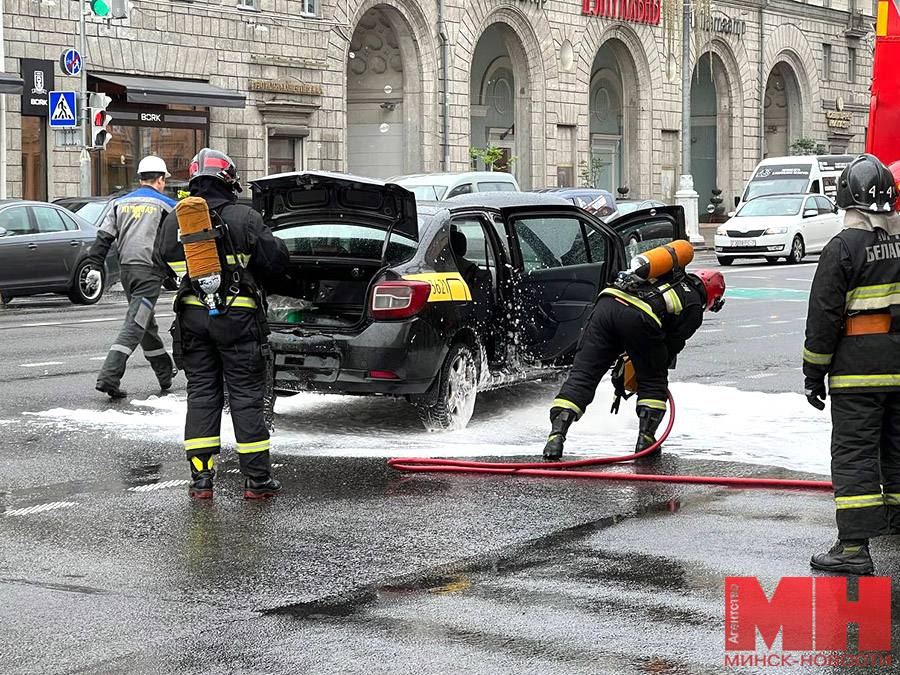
[[648, 228], [561, 258]]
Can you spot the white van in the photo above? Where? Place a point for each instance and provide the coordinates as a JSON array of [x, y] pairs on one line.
[[802, 174], [441, 186]]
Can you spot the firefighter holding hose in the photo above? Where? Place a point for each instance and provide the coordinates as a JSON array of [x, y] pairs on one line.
[[853, 340], [221, 251], [649, 314]]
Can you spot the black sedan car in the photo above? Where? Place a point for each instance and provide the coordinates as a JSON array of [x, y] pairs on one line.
[[43, 249], [433, 301], [91, 209]]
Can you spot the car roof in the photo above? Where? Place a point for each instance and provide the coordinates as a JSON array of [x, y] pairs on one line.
[[447, 177], [83, 199], [781, 195], [502, 200]]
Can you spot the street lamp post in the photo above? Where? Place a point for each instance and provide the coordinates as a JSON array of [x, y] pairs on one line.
[[686, 196], [85, 158]]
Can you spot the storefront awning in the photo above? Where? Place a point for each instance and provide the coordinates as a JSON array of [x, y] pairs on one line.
[[173, 92], [11, 84]]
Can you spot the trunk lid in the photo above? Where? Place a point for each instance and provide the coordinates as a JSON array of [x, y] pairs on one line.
[[303, 196]]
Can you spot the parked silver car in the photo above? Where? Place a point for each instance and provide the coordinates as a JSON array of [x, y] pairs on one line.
[[44, 248]]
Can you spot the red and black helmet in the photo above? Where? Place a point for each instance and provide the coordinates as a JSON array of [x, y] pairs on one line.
[[894, 168], [714, 283], [209, 162]]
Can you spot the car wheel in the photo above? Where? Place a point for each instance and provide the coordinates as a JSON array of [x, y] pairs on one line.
[[5, 300], [450, 402], [725, 262], [79, 293], [797, 250]]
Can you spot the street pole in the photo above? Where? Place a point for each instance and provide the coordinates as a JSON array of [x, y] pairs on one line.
[[2, 110], [686, 196], [85, 159]]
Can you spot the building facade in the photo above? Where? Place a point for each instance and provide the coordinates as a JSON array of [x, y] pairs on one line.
[[567, 91]]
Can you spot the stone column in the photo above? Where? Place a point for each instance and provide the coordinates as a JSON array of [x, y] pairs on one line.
[[688, 199]]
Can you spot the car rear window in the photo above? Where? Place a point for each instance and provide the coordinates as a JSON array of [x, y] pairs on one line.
[[341, 240], [495, 186]]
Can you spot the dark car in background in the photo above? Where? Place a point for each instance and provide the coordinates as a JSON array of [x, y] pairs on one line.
[[44, 249], [433, 301], [91, 209], [599, 202]]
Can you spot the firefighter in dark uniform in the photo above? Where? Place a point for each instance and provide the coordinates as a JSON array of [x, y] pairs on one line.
[[853, 339], [225, 342], [650, 321]]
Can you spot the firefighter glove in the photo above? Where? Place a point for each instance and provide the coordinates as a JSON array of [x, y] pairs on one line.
[[815, 393], [170, 284]]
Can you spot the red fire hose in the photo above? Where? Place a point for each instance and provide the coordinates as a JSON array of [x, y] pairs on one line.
[[559, 469]]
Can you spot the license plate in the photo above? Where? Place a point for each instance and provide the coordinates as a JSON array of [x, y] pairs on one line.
[[743, 242]]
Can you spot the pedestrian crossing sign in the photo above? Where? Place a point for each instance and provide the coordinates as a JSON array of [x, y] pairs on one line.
[[62, 110]]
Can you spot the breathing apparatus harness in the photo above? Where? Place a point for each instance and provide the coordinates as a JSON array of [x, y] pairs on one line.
[[208, 246]]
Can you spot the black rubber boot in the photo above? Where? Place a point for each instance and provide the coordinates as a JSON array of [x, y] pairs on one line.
[[560, 421], [165, 383], [202, 474], [112, 390], [261, 489], [259, 483], [846, 557], [650, 419]]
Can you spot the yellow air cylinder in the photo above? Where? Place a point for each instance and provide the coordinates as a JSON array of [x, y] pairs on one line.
[[658, 261], [202, 256]]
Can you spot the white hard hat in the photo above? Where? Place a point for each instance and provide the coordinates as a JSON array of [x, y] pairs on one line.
[[153, 164]]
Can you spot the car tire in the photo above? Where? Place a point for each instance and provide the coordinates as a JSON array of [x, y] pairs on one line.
[[798, 250], [771, 261], [725, 262], [449, 404], [78, 293], [5, 299]]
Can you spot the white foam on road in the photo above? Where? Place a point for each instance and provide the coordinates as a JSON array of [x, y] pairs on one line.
[[712, 422]]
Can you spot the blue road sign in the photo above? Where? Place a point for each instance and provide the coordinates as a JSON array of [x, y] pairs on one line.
[[62, 110], [71, 62]]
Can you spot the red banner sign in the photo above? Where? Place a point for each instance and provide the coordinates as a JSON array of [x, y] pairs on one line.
[[639, 11]]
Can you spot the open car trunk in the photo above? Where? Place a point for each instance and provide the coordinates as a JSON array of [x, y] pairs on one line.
[[340, 230], [325, 294]]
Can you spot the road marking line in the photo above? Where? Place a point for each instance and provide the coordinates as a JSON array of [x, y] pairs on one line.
[[782, 321], [40, 508], [114, 318], [722, 383], [35, 325], [795, 279], [742, 276], [98, 358], [158, 486], [750, 325], [44, 363], [760, 376], [710, 330]]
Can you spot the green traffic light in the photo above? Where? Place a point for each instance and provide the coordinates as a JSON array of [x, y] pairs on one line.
[[99, 7]]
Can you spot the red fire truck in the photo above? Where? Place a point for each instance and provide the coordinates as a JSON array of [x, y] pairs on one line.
[[883, 136]]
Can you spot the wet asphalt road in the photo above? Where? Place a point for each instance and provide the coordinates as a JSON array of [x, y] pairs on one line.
[[106, 567]]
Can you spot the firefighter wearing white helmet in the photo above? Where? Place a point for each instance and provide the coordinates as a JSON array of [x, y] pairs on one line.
[[133, 221]]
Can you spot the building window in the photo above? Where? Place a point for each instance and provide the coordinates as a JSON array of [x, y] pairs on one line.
[[309, 8], [285, 154], [826, 61], [851, 64], [247, 4]]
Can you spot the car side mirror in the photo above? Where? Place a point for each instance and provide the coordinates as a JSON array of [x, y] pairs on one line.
[[731, 214], [2, 231], [810, 213]]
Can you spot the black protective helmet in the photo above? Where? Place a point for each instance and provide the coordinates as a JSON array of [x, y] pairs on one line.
[[867, 184], [209, 162]]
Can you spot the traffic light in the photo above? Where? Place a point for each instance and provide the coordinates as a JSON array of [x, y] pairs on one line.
[[100, 119], [119, 8], [100, 7]]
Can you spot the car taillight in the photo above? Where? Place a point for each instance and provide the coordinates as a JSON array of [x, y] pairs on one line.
[[399, 299]]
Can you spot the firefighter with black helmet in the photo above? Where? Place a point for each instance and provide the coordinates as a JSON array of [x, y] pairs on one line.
[[648, 314], [853, 341], [222, 252]]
